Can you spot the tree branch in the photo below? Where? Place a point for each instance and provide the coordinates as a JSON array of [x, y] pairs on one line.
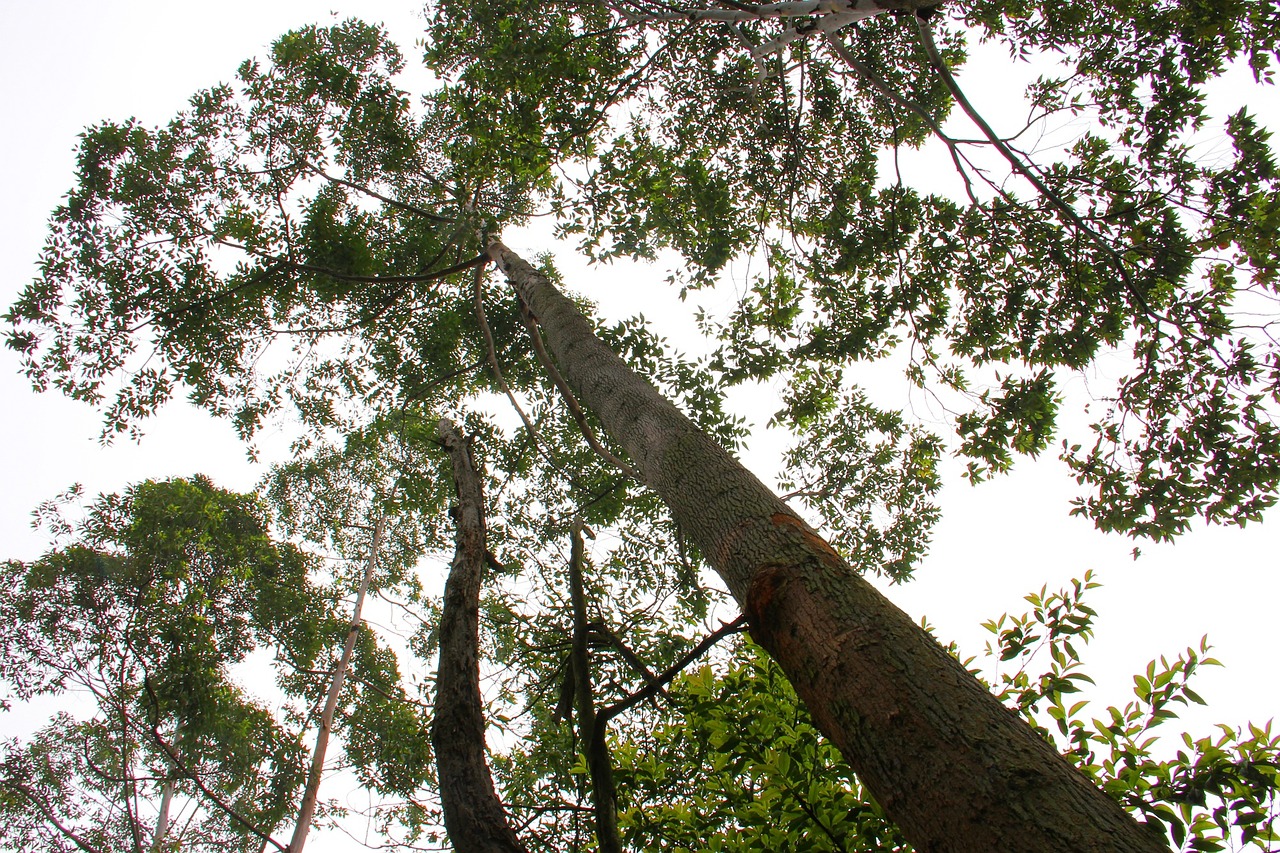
[[390, 202], [570, 400], [632, 659], [194, 778], [45, 809], [865, 72], [664, 678]]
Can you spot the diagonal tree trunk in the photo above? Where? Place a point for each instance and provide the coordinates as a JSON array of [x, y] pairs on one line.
[[955, 769], [473, 814], [307, 810]]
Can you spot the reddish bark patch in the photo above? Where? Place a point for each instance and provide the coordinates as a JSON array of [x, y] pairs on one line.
[[812, 539], [765, 584]]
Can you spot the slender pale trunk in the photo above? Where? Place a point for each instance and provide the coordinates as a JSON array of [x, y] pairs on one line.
[[307, 810], [591, 730], [473, 814], [166, 798], [162, 821], [954, 768]]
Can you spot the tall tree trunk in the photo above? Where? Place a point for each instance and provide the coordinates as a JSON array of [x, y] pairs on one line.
[[307, 810], [473, 814], [162, 821], [955, 769], [161, 833], [591, 730]]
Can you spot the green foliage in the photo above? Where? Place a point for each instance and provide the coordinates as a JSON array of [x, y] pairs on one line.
[[168, 589], [204, 241], [1126, 239], [331, 497], [536, 93], [870, 476], [170, 597], [733, 761], [1213, 793], [1020, 419], [740, 767]]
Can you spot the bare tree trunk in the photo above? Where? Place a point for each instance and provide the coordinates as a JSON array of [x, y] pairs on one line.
[[307, 810], [166, 798], [473, 814], [591, 730], [162, 821], [955, 769]]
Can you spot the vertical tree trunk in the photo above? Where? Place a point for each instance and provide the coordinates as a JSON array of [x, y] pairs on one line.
[[166, 797], [955, 769], [307, 810], [591, 731], [473, 814]]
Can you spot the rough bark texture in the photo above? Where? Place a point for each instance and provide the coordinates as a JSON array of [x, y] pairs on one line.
[[955, 769], [591, 730], [473, 814]]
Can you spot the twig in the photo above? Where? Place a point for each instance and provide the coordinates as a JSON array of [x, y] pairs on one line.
[[399, 205]]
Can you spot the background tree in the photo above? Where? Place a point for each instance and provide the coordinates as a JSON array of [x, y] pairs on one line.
[[166, 589], [358, 503], [170, 598]]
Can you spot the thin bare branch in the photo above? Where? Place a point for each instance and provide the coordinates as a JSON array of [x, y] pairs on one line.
[[570, 400], [492, 350], [664, 678], [372, 193]]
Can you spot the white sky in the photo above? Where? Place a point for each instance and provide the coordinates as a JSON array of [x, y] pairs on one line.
[[67, 63]]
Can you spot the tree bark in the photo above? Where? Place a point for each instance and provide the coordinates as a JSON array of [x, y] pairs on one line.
[[592, 731], [473, 814], [955, 769], [307, 810]]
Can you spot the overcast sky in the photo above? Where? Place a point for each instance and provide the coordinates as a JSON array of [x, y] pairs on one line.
[[67, 64]]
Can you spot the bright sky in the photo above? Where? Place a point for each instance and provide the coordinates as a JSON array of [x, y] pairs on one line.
[[68, 63]]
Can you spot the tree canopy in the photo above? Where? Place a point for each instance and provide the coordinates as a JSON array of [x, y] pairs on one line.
[[310, 241]]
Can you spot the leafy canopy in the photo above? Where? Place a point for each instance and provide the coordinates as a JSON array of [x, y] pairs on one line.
[[743, 133], [148, 625]]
